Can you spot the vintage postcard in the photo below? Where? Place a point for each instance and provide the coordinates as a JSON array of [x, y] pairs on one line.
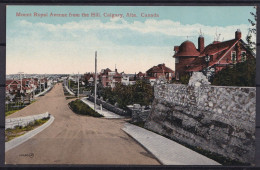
[[130, 85]]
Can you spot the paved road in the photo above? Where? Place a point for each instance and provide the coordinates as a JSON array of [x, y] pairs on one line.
[[74, 139]]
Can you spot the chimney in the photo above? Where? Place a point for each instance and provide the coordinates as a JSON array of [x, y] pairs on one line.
[[201, 43], [176, 49], [238, 34]]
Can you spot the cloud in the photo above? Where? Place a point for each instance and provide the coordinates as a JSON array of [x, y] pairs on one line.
[[133, 46], [166, 27]]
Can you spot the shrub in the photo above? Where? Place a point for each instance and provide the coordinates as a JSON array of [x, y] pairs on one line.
[[241, 74], [80, 107]]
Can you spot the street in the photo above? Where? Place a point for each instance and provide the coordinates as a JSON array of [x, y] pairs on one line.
[[75, 139]]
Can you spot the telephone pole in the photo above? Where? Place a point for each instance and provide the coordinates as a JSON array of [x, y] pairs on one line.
[[21, 79], [95, 81], [78, 84]]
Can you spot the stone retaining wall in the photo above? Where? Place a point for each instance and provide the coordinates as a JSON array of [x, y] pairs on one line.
[[140, 115], [217, 119], [109, 106], [24, 121]]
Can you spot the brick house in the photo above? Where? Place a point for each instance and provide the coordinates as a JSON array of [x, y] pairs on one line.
[[110, 78], [104, 77], [89, 77], [13, 88], [159, 71], [212, 58], [113, 78], [140, 76]]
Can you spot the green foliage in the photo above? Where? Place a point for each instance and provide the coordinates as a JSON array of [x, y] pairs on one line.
[[184, 79], [10, 112], [79, 107], [139, 93], [242, 74], [252, 30]]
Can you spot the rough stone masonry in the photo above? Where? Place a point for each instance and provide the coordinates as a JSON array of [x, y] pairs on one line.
[[214, 118]]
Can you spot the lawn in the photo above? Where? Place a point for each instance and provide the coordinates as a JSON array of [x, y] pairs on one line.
[[9, 112], [81, 108], [18, 130]]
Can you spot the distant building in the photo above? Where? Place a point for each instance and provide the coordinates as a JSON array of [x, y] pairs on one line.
[[128, 79], [159, 71], [89, 77], [140, 76], [212, 58], [110, 78], [114, 77], [104, 77]]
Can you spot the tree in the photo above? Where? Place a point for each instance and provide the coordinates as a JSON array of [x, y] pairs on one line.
[[244, 73], [139, 93], [251, 44], [241, 74]]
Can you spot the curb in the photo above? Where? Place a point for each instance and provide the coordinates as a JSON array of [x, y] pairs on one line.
[[21, 139], [44, 92]]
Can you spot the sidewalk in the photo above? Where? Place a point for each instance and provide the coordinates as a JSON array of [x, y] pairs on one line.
[[104, 112], [165, 150], [43, 92], [70, 92]]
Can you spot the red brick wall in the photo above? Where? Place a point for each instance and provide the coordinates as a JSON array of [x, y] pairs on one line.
[[181, 66]]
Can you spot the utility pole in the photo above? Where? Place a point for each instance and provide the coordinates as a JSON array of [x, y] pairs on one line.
[[78, 84], [44, 82], [95, 81], [68, 82], [40, 84], [21, 85]]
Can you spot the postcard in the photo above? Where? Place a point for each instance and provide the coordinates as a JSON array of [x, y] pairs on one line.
[[130, 85]]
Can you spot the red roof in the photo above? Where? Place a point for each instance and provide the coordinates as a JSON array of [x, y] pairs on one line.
[[140, 74], [217, 47], [161, 68], [220, 47], [187, 48], [7, 82]]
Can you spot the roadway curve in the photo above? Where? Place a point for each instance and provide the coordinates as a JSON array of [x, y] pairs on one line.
[[74, 139]]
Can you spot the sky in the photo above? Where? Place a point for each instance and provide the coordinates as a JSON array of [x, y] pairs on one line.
[[47, 44]]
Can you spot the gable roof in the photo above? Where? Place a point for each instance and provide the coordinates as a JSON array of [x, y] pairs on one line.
[[160, 68], [214, 48], [222, 48]]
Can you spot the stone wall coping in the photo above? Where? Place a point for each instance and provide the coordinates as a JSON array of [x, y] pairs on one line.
[[213, 86]]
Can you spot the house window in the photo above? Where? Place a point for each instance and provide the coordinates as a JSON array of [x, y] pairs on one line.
[[177, 60], [243, 56], [233, 57]]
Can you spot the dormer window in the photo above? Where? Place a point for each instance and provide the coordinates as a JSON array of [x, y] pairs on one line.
[[233, 57]]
